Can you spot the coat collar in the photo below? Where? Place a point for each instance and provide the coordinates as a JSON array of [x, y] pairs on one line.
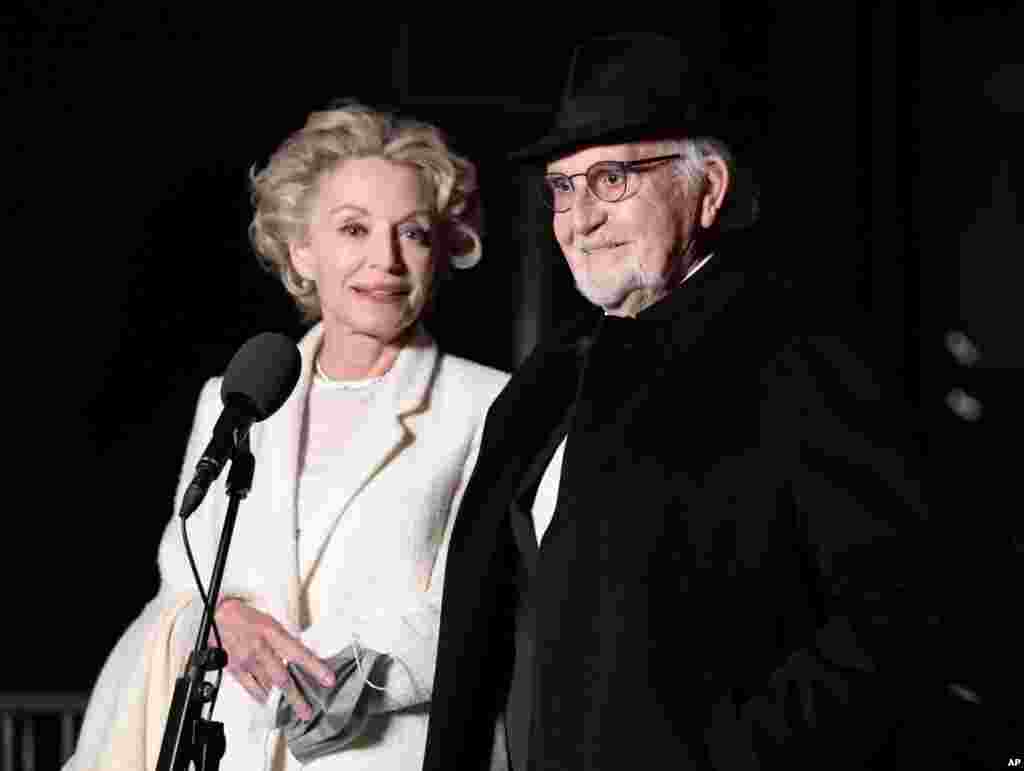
[[408, 382], [405, 391], [658, 334], [674, 323], [671, 324], [277, 445]]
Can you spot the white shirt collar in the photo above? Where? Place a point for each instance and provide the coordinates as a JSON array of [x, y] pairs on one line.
[[695, 267]]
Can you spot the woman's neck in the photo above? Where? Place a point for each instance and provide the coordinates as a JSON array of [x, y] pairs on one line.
[[346, 355]]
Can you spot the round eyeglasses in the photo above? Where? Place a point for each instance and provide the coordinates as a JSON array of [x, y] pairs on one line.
[[607, 180]]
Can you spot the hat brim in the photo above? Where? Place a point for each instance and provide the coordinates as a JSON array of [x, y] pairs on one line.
[[564, 141]]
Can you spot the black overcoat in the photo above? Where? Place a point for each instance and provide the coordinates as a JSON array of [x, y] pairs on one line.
[[729, 578]]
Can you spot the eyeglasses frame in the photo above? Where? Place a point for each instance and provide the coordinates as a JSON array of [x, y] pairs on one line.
[[626, 167]]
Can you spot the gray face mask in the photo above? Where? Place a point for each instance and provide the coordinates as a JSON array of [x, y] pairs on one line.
[[340, 712]]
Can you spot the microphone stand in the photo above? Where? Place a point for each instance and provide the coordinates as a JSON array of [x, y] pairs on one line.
[[188, 737]]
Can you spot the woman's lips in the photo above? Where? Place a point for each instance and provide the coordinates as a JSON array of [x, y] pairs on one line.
[[382, 293]]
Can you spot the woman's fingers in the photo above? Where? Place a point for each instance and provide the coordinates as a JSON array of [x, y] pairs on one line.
[[294, 696], [251, 685], [274, 666], [259, 650], [275, 670], [295, 652]]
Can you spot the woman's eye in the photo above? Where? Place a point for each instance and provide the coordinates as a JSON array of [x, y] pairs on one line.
[[418, 234], [353, 229]]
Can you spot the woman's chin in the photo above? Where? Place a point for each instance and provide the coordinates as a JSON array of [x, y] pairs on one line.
[[386, 327]]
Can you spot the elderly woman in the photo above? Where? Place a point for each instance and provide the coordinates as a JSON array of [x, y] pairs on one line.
[[338, 552]]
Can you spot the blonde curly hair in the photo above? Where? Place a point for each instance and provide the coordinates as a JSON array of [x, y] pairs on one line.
[[284, 191]]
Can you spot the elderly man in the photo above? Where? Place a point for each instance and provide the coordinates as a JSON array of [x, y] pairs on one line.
[[686, 540]]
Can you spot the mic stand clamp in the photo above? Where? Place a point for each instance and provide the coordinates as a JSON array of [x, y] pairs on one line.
[[188, 737]]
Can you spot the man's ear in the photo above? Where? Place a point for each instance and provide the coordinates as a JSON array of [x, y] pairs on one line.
[[718, 181]]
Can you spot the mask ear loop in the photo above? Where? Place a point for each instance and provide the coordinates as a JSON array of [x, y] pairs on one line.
[[359, 666]]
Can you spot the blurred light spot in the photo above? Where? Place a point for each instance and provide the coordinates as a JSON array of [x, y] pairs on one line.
[[963, 350], [963, 404], [964, 693]]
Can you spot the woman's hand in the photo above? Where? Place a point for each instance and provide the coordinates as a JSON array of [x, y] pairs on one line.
[[259, 648]]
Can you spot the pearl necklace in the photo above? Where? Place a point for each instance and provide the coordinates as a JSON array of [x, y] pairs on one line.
[[347, 385]]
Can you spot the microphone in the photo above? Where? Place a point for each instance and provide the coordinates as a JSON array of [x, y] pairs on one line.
[[258, 380]]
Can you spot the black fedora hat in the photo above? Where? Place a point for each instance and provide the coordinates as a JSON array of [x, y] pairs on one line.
[[643, 85], [638, 85]]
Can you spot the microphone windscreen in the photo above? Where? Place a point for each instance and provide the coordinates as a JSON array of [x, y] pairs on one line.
[[262, 374]]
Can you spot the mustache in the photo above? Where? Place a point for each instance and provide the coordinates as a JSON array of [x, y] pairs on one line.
[[588, 248]]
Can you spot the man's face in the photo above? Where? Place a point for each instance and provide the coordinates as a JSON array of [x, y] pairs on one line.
[[627, 255]]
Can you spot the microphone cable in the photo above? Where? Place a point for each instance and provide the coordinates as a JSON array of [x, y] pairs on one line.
[[213, 620]]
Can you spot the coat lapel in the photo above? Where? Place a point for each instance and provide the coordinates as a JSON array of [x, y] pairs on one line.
[[378, 440], [658, 335], [276, 446], [266, 517], [519, 446]]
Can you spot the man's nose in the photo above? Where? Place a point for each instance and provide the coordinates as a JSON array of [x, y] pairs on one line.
[[587, 211]]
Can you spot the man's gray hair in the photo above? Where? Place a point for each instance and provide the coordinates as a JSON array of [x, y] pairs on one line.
[[741, 204]]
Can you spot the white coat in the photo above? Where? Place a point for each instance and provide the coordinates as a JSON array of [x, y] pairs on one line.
[[377, 579]]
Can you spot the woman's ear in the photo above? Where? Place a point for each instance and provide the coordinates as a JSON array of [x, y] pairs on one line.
[[718, 181], [302, 260], [465, 246]]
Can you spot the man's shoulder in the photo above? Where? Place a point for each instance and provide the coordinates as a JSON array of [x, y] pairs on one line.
[[567, 334]]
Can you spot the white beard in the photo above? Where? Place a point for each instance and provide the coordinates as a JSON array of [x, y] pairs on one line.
[[610, 290]]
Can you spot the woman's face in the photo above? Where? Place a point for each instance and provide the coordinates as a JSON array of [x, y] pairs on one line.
[[369, 247]]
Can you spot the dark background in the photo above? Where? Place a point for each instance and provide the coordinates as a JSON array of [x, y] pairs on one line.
[[888, 156]]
